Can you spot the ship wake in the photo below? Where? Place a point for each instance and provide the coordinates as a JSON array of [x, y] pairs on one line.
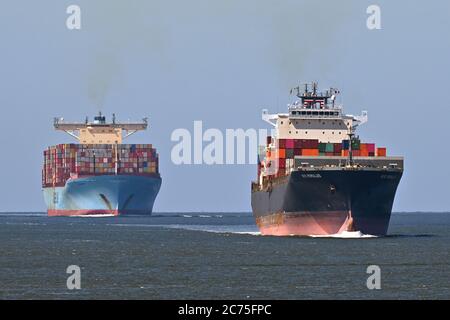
[[346, 235]]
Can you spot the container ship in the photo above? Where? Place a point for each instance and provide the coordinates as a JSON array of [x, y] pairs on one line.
[[99, 175], [316, 177]]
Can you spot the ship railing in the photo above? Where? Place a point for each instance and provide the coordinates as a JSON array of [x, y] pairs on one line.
[[318, 116], [325, 107]]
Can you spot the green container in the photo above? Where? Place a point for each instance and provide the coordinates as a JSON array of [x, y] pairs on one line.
[[329, 147], [289, 153], [356, 144], [322, 147]]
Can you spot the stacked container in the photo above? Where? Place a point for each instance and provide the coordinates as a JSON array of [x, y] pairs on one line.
[[288, 149], [66, 160], [283, 152], [362, 149]]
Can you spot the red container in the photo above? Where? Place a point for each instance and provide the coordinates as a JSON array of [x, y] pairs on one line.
[[337, 147], [281, 143], [289, 143], [281, 163], [297, 152], [309, 144]]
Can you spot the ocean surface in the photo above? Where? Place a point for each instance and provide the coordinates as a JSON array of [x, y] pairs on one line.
[[217, 256]]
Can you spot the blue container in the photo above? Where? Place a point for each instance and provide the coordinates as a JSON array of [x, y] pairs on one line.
[[345, 144]]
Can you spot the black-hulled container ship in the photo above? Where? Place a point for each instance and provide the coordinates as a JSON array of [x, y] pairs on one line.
[[316, 177]]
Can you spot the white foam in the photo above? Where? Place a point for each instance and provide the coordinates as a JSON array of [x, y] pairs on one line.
[[345, 235], [204, 228], [252, 233], [94, 215]]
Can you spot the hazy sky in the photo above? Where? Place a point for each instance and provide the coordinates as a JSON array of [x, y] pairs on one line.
[[222, 61]]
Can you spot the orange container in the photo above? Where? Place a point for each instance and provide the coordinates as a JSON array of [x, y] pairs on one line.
[[281, 153], [344, 153], [364, 153], [381, 152], [310, 152], [363, 147]]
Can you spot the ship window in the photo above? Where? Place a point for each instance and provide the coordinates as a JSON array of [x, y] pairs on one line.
[[332, 132], [339, 132], [281, 122], [327, 113], [306, 132], [315, 113], [296, 132], [323, 132], [308, 113], [323, 122]]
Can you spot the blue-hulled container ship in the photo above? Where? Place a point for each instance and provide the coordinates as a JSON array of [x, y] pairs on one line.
[[100, 175]]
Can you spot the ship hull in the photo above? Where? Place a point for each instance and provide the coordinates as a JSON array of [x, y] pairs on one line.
[[324, 202], [109, 195]]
